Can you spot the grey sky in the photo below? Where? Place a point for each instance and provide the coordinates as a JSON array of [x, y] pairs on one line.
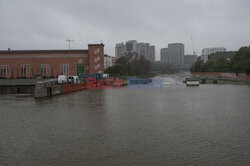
[[46, 24]]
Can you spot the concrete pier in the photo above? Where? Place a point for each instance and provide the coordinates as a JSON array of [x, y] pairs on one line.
[[13, 86]]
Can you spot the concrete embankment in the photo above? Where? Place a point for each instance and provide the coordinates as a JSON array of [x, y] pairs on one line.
[[51, 88], [218, 81], [222, 78], [13, 86]]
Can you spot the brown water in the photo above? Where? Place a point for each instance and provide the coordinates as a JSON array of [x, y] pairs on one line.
[[177, 125]]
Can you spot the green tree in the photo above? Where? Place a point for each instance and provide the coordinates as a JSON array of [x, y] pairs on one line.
[[198, 66], [210, 65], [131, 64], [115, 70], [241, 61], [221, 64]]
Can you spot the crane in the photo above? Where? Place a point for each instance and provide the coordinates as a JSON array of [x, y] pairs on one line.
[[194, 52]]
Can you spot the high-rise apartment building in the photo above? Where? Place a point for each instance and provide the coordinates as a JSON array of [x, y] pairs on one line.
[[131, 46], [142, 49], [189, 60], [120, 49], [173, 55], [152, 53]]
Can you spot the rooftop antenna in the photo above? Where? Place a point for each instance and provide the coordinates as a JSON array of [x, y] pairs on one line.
[[194, 52], [69, 41]]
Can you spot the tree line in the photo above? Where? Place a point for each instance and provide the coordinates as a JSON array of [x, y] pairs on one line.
[[131, 64], [240, 63]]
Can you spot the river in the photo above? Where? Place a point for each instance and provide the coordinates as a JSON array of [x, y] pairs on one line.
[[175, 125]]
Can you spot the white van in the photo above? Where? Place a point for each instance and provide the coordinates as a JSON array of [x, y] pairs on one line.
[[76, 79], [70, 79], [62, 79]]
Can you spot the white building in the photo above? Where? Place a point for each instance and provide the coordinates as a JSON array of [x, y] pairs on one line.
[[107, 61], [208, 51]]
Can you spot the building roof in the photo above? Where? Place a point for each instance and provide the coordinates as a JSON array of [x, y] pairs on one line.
[[96, 44], [105, 55], [42, 51]]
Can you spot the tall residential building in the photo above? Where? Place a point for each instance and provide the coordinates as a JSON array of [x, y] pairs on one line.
[[131, 46], [173, 55], [143, 49], [164, 57], [189, 60], [120, 49], [207, 51], [152, 53]]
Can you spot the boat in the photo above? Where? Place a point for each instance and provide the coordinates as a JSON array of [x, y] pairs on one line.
[[192, 82]]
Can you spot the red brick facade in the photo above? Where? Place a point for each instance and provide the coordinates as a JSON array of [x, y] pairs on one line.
[[51, 63], [96, 60]]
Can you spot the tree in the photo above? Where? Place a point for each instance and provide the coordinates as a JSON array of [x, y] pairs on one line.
[[115, 70], [131, 64], [210, 65], [221, 64], [198, 66], [240, 63]]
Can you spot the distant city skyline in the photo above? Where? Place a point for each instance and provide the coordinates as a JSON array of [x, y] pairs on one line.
[[48, 24], [132, 46]]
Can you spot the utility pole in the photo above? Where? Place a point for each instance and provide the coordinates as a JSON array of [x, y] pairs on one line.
[[68, 40]]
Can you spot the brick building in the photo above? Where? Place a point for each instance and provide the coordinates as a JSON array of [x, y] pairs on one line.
[[51, 63]]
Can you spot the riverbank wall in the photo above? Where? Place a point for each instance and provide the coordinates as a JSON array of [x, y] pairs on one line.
[[15, 86], [221, 77], [51, 88]]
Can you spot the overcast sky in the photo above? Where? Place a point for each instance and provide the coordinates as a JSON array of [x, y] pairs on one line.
[[46, 24]]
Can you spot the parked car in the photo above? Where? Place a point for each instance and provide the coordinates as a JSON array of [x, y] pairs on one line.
[[62, 79]]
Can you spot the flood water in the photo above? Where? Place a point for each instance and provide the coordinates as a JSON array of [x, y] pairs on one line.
[[176, 125]]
